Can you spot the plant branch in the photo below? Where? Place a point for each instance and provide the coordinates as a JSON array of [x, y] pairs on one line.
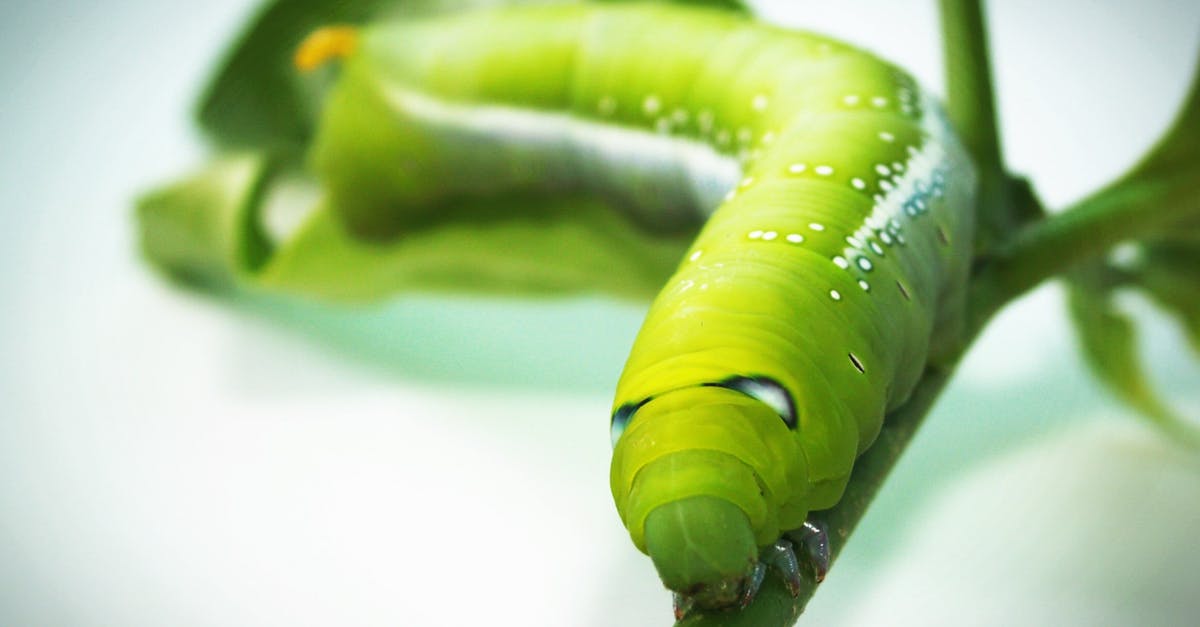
[[1129, 210], [971, 105], [970, 98]]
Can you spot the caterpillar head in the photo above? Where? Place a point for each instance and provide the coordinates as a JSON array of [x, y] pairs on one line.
[[704, 550], [699, 475]]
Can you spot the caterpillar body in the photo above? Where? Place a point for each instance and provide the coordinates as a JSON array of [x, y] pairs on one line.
[[838, 221]]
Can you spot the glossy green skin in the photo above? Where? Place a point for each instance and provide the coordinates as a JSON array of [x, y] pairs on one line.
[[835, 268]]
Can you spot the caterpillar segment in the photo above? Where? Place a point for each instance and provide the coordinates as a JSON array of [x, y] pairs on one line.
[[837, 213]]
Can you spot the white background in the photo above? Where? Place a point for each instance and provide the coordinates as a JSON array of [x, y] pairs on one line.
[[167, 458]]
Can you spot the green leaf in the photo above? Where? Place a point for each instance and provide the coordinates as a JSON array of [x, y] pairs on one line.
[[1169, 272], [1167, 178], [510, 245], [1165, 182], [203, 229], [1179, 148], [207, 229], [257, 99], [1108, 340]]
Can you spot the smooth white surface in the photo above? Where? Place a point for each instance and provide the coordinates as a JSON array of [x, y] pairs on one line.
[[171, 459]]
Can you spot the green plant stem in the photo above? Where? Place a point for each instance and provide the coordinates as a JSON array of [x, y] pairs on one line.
[[1125, 211], [970, 98], [971, 105]]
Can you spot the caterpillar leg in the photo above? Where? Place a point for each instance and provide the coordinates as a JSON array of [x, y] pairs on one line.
[[782, 556], [813, 538], [684, 604]]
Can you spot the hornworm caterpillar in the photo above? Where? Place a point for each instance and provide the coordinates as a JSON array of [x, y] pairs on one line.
[[829, 273]]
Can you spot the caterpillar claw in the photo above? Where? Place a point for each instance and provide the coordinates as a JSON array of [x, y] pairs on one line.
[[814, 537], [753, 583], [782, 556]]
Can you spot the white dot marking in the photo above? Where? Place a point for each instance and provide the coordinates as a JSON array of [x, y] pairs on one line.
[[651, 105]]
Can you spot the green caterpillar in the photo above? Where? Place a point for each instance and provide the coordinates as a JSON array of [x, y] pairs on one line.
[[838, 223]]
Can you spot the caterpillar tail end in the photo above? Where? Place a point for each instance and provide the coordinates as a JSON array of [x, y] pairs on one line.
[[323, 44]]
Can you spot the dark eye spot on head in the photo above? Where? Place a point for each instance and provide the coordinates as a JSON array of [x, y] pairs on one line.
[[766, 390], [621, 418]]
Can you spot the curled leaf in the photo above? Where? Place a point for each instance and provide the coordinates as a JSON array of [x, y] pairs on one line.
[[208, 229], [256, 98], [204, 229]]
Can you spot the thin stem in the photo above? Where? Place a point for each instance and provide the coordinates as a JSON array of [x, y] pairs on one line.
[[970, 98], [971, 104], [1126, 211]]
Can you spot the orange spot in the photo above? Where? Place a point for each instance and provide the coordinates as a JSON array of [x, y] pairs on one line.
[[324, 44]]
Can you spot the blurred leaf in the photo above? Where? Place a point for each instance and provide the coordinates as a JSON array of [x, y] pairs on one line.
[[203, 229], [207, 229], [1167, 178], [1109, 344], [1180, 146], [257, 99], [1170, 274], [729, 5], [510, 245], [1166, 181]]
